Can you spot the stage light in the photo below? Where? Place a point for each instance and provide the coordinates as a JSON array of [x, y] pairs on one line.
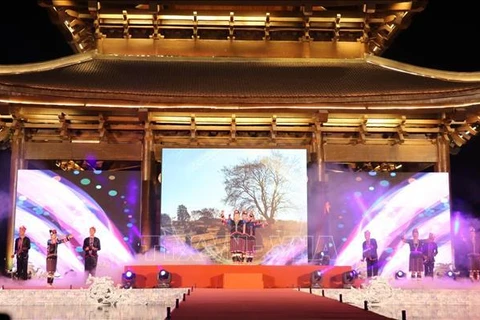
[[164, 279], [316, 279], [400, 274], [321, 258], [348, 278], [128, 279], [68, 165], [451, 274]]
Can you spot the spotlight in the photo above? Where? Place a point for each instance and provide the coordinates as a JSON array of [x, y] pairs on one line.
[[316, 279], [128, 279], [451, 274], [400, 274], [348, 278], [321, 258], [164, 279]]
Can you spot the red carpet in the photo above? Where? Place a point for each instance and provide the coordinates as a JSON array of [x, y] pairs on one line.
[[265, 304]]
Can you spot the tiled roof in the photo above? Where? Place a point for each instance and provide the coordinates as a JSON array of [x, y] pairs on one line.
[[236, 81]]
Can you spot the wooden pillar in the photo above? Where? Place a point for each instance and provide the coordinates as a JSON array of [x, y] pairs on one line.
[[443, 155], [17, 162], [146, 171], [316, 191], [443, 165]]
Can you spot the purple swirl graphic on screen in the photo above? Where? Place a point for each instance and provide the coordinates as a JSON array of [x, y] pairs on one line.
[[422, 202], [66, 201]]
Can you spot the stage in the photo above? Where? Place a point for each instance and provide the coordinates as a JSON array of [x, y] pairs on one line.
[[439, 298], [238, 276], [425, 299], [101, 298]]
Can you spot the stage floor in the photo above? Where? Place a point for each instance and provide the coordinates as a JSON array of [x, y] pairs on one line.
[[102, 299], [439, 299], [50, 312], [426, 299]]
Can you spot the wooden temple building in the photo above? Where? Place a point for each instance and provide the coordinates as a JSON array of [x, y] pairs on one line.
[[307, 74]]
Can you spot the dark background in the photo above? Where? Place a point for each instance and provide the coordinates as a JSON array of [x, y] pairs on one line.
[[444, 36]]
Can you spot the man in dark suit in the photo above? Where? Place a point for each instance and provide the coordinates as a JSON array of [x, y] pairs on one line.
[[430, 250], [91, 245], [22, 245], [370, 255], [474, 255]]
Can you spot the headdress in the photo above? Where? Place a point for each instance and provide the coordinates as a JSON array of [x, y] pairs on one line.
[[53, 231]]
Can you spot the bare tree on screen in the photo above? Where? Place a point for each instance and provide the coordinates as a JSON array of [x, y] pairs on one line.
[[182, 213], [260, 185], [205, 213]]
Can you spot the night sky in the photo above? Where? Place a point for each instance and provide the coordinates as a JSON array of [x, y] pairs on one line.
[[441, 37]]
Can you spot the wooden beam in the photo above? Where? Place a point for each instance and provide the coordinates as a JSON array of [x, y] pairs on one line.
[[381, 153], [244, 48], [132, 3], [80, 151]]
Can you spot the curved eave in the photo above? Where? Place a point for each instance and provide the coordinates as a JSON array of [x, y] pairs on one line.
[[372, 83], [194, 103], [47, 65], [452, 76]]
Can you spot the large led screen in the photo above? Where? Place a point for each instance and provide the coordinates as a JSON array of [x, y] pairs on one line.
[[198, 184], [390, 206], [73, 201]]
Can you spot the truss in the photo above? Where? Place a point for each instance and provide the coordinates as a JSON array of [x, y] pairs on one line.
[[243, 129], [371, 24]]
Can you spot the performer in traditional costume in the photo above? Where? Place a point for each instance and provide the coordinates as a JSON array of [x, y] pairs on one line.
[[52, 248], [250, 243], [415, 264], [430, 250], [370, 255], [22, 245], [474, 256], [91, 245], [237, 235], [244, 235]]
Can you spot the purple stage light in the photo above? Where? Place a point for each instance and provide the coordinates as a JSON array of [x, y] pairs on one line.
[[129, 275], [400, 274]]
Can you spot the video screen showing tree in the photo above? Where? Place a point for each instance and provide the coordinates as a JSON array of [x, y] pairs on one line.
[[389, 205], [198, 184]]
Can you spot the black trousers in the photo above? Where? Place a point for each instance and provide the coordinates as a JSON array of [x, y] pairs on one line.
[[429, 268], [372, 268], [22, 267], [91, 265]]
